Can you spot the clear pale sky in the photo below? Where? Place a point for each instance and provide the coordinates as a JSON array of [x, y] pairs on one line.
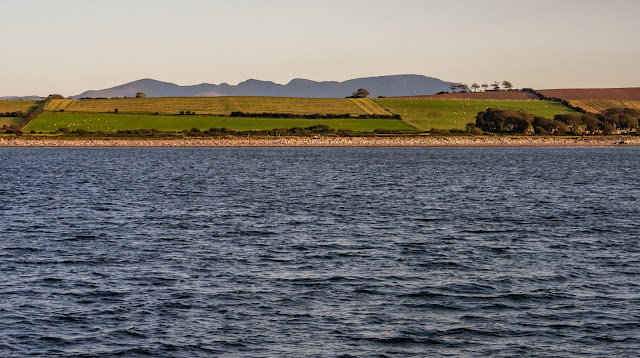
[[69, 46]]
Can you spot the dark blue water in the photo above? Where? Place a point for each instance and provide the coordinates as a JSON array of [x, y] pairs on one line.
[[319, 252]]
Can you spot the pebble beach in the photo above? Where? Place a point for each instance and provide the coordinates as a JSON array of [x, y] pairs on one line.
[[425, 141]]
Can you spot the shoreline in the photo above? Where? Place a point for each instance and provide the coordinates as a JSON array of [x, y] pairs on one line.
[[427, 141]]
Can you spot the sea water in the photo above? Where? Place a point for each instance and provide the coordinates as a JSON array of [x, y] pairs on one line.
[[292, 252]]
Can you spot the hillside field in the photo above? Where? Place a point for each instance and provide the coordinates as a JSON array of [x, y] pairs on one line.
[[455, 114], [50, 122], [220, 105], [15, 106], [10, 121], [598, 105]]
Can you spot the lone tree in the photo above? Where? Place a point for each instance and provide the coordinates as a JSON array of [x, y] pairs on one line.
[[453, 87], [484, 87], [141, 95], [496, 86], [507, 85], [361, 93], [475, 87]]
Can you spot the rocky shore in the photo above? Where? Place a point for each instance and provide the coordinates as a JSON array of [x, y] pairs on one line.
[[425, 141]]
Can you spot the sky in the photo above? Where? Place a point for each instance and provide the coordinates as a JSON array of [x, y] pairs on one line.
[[69, 46]]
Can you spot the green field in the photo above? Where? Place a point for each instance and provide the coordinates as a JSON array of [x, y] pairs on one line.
[[220, 105], [49, 122], [10, 121], [455, 114], [15, 106], [598, 105]]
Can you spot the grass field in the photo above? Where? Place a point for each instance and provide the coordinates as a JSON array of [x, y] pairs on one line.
[[220, 105], [49, 122], [15, 106], [597, 105], [10, 121], [455, 114]]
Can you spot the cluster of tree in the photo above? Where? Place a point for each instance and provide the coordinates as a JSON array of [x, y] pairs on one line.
[[12, 114], [555, 99], [504, 121], [496, 87], [313, 116], [360, 93], [184, 113], [610, 121]]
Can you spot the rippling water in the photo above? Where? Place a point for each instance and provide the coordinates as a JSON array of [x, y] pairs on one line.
[[392, 252]]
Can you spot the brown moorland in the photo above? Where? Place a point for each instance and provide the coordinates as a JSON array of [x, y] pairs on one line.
[[622, 94], [502, 95]]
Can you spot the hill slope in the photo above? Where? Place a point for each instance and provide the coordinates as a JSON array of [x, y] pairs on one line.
[[621, 94], [397, 85]]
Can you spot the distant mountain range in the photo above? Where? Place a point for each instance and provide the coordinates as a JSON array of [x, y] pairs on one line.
[[25, 98], [397, 85]]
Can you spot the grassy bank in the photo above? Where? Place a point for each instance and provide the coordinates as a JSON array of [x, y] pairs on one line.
[[49, 122]]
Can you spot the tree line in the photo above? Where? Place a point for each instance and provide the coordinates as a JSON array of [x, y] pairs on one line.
[[13, 114], [496, 86], [609, 121]]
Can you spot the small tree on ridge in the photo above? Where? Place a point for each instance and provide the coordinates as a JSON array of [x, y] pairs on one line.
[[361, 93]]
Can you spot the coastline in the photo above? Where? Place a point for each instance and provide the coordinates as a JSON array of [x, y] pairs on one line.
[[426, 141]]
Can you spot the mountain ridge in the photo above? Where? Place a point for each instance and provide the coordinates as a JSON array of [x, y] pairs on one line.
[[392, 85]]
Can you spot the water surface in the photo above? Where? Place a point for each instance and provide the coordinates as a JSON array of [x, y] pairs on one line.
[[289, 252]]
